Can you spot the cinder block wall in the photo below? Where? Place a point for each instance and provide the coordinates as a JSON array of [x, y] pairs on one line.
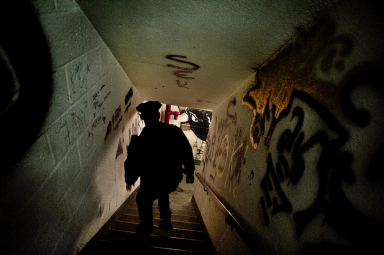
[[297, 151], [71, 180]]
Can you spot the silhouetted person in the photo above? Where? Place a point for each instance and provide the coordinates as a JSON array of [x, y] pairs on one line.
[[157, 156]]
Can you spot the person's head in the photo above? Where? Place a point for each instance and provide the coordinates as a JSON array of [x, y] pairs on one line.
[[149, 111]]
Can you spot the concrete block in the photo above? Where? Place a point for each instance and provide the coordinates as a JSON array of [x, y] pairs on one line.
[[26, 178], [79, 187], [69, 35], [107, 60], [54, 189], [87, 144], [44, 6], [74, 237], [82, 73], [65, 131], [66, 243], [99, 98], [67, 5], [47, 241], [60, 98]]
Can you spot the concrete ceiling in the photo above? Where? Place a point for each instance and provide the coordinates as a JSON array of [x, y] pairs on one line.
[[220, 41]]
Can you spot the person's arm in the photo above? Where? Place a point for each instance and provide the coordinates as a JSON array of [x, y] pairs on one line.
[[131, 163], [187, 156]]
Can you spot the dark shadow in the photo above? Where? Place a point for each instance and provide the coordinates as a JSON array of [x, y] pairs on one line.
[[26, 73]]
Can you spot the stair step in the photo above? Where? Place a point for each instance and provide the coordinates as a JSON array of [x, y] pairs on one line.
[[186, 206], [175, 204], [175, 224], [183, 216], [181, 233], [152, 240], [111, 248]]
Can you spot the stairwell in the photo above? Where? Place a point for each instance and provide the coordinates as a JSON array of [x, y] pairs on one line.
[[188, 236]]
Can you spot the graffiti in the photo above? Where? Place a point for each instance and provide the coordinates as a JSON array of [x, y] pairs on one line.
[[250, 177], [198, 121], [232, 116], [204, 101], [98, 119], [293, 144], [119, 150], [127, 108], [73, 123], [128, 96], [182, 72], [316, 50], [211, 142], [184, 69], [316, 46], [226, 153], [333, 167], [89, 140], [200, 151], [114, 123], [236, 163], [97, 102], [116, 118], [78, 77], [182, 85], [18, 70]]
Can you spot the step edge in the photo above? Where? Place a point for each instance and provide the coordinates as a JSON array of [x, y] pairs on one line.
[[194, 223], [188, 230], [153, 235]]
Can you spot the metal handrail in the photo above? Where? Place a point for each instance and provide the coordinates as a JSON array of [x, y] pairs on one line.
[[231, 219]]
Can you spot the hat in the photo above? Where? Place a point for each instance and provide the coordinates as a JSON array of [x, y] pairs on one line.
[[149, 107]]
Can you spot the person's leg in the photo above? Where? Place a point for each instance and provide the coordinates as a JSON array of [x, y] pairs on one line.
[[144, 202], [165, 212]]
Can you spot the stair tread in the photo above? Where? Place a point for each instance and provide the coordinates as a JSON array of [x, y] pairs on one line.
[[175, 232], [109, 247], [157, 213], [184, 207], [176, 224], [127, 237]]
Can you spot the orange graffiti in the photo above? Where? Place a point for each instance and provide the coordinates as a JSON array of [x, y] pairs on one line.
[[316, 52]]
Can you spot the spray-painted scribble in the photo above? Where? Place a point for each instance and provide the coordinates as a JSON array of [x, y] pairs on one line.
[[174, 57], [182, 72], [224, 152], [182, 85]]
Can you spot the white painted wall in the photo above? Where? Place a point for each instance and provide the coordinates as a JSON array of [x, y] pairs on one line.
[[326, 197], [71, 180]]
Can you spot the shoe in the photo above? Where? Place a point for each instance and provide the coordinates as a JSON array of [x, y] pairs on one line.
[[165, 224], [142, 229]]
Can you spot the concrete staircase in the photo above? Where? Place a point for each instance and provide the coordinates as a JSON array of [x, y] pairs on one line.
[[187, 237]]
